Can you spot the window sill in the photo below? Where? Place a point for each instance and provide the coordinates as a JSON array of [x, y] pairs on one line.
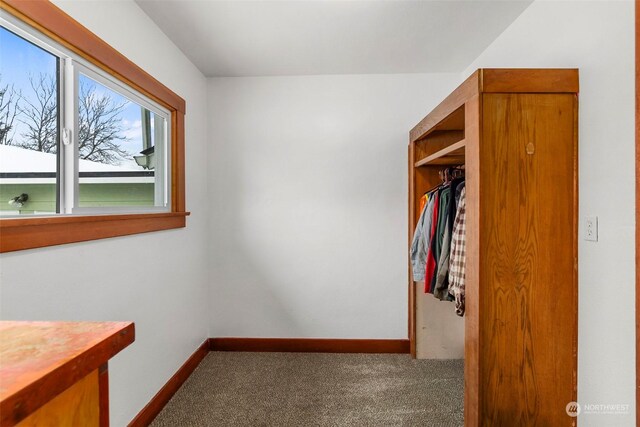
[[27, 233]]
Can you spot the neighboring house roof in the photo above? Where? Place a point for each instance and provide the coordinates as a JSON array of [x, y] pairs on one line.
[[20, 165], [17, 159]]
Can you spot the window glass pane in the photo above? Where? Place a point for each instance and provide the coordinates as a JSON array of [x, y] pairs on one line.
[[29, 87], [121, 149]]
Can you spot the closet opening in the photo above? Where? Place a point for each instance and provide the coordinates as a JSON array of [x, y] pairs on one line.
[[438, 164]]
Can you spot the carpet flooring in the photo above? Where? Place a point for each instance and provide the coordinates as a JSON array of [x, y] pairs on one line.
[[318, 389]]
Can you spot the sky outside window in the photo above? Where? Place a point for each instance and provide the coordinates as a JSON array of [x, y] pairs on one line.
[[127, 117], [22, 62], [28, 127]]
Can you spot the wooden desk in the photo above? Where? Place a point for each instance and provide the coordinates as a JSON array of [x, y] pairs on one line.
[[55, 373]]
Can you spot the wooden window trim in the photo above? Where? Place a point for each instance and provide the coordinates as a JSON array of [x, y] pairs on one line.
[[27, 233]]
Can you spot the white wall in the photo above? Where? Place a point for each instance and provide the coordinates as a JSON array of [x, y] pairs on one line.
[[598, 38], [158, 280], [308, 196]]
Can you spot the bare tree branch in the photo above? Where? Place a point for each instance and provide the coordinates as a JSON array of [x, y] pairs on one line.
[[100, 122], [9, 109], [101, 127], [40, 116]]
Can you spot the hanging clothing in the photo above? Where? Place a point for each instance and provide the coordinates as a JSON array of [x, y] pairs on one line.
[[459, 189], [423, 201], [431, 261], [457, 256], [441, 288], [421, 240], [443, 207]]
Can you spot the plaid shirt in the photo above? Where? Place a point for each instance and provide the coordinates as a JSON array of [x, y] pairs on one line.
[[457, 256]]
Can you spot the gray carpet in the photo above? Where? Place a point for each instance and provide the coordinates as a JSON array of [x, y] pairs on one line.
[[316, 389]]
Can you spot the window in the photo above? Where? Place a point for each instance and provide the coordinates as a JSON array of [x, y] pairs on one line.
[[114, 140], [29, 127], [89, 143], [121, 148]]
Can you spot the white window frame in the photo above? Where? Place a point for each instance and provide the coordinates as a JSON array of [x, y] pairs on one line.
[[162, 199], [70, 65]]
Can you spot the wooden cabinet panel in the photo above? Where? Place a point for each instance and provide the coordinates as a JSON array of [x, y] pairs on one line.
[[527, 259], [76, 406]]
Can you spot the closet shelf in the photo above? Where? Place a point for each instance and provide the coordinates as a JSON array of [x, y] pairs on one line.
[[451, 155]]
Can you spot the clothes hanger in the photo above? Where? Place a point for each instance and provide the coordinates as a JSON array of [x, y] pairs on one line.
[[441, 175], [458, 171]]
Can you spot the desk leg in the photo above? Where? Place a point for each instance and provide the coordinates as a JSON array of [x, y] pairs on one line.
[[103, 386]]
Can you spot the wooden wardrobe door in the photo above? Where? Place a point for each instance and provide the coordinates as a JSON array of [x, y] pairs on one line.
[[528, 253]]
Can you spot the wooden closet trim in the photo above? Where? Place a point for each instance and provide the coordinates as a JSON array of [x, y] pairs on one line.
[[28, 233], [529, 80]]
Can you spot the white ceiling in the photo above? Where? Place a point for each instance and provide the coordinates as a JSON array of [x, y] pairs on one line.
[[265, 38]]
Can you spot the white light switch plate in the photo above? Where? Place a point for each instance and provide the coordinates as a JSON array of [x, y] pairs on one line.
[[591, 228]]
